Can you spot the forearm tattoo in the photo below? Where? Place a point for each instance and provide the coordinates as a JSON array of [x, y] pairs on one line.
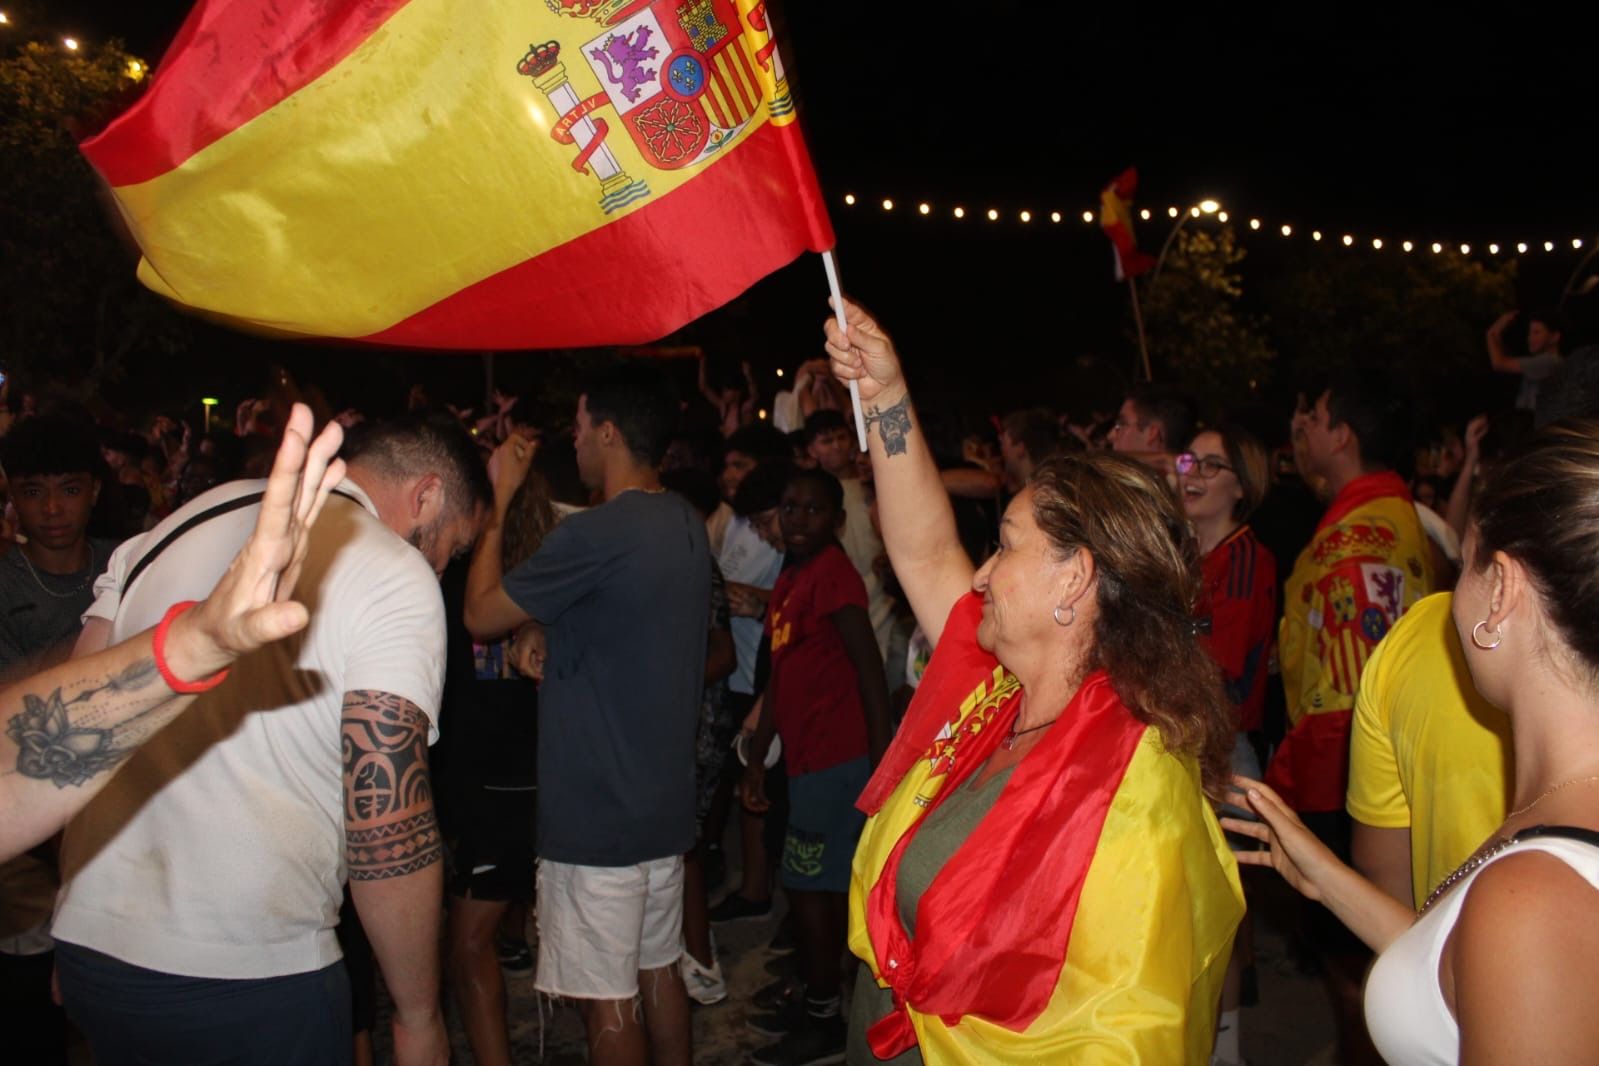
[[69, 741], [389, 825], [893, 426]]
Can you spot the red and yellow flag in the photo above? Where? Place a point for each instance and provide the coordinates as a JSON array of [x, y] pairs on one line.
[[417, 173], [1116, 219]]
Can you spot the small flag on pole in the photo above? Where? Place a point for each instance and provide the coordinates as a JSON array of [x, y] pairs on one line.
[[465, 173], [1116, 218]]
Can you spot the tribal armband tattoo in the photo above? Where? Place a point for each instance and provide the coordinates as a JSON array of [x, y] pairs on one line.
[[893, 425], [389, 826]]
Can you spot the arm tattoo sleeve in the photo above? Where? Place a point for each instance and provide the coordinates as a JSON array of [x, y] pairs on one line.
[[69, 741], [893, 424], [389, 827]]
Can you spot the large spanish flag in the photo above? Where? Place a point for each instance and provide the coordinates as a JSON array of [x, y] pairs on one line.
[[465, 173]]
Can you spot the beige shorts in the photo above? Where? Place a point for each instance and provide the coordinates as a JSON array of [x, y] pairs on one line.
[[600, 925]]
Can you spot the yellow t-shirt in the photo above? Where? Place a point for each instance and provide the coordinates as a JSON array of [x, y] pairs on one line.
[[1427, 751]]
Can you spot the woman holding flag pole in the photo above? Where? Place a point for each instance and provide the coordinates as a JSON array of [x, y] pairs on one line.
[[1041, 876]]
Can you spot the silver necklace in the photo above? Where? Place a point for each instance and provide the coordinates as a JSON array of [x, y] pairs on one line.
[[1478, 859], [46, 590]]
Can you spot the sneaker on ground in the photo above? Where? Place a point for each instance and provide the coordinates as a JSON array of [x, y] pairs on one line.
[[778, 994], [780, 1022], [735, 908], [516, 959], [705, 985], [813, 1042]]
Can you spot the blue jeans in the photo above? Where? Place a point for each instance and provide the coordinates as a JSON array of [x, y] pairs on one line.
[[132, 1016]]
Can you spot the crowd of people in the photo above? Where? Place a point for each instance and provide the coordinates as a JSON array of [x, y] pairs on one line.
[[997, 709]]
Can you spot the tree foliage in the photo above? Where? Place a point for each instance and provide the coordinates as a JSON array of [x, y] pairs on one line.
[[1200, 337], [1418, 318], [73, 311]]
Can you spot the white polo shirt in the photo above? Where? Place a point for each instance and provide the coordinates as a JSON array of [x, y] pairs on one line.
[[218, 849]]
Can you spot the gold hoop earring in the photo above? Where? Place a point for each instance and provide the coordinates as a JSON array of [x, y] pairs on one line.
[[1498, 636], [1071, 615]]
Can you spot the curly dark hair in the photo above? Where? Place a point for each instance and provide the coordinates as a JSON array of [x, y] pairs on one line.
[[1147, 563]]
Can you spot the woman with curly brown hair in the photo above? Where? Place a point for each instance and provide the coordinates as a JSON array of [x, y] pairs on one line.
[[1041, 877]]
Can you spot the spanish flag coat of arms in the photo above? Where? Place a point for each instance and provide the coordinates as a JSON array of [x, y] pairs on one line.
[[436, 173]]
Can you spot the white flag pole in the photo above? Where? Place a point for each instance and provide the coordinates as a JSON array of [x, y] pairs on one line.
[[838, 309]]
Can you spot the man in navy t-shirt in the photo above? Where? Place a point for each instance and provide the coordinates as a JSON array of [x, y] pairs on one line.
[[615, 597]]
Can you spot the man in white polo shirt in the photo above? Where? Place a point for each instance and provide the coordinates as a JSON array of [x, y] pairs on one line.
[[203, 884]]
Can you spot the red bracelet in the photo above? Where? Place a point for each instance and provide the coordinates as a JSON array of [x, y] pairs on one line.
[[159, 646]]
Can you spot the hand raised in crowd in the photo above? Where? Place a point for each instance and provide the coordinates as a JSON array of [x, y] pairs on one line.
[[1291, 848], [508, 467], [1476, 430], [529, 651], [250, 605], [1502, 323], [866, 355]]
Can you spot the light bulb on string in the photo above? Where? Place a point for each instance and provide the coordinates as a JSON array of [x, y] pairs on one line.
[[993, 215], [1315, 234], [1576, 242], [1465, 249], [1493, 249], [1193, 212], [1221, 216], [1144, 214], [1210, 207], [888, 205], [1348, 240], [1054, 216], [849, 199], [1088, 216], [1026, 216], [1407, 246], [1254, 223], [925, 209], [960, 212], [1521, 247], [1548, 246], [1436, 247], [1288, 231], [1376, 242]]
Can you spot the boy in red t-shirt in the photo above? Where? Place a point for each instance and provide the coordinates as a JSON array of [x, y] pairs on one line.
[[827, 697]]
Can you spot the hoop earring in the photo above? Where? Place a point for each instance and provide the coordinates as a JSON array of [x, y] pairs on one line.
[[1498, 636], [1071, 615]]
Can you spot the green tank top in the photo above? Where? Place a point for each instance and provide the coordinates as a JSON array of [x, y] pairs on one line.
[[940, 836]]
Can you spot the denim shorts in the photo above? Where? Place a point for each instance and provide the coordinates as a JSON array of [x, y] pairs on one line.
[[823, 827]]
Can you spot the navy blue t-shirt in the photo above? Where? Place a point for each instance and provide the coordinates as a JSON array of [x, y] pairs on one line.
[[620, 590]]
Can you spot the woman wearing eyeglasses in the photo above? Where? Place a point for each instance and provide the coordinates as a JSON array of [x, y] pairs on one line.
[[1222, 478]]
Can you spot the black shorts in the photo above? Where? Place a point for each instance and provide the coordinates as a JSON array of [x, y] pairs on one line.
[[491, 841]]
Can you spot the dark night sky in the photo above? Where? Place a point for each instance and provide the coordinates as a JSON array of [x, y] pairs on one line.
[[1433, 127]]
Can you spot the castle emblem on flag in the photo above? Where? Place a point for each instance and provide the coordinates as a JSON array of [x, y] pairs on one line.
[[679, 75]]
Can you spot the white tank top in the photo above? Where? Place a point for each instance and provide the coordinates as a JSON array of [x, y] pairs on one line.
[[1405, 1010]]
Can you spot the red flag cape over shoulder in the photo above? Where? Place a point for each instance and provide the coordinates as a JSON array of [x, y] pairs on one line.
[[993, 928], [437, 173]]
